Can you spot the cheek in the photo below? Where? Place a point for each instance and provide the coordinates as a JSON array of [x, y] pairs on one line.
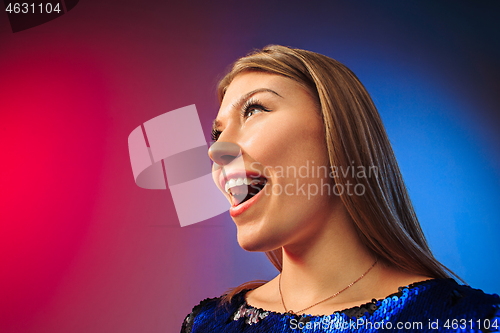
[[289, 142]]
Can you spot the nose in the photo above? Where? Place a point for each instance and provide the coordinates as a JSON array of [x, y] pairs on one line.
[[223, 153]]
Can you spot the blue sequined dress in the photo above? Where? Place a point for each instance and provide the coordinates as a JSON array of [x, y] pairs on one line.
[[437, 305]]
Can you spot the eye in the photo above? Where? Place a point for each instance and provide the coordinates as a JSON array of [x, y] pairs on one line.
[[252, 110], [252, 107]]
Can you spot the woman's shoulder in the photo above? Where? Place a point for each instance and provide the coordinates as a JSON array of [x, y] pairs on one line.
[[210, 312], [430, 305], [449, 294], [445, 304]]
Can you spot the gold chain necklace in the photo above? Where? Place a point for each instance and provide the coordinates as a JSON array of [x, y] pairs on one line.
[[326, 299]]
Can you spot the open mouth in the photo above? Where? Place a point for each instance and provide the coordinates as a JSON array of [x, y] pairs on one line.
[[242, 189]]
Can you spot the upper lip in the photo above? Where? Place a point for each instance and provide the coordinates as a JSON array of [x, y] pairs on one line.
[[224, 176]]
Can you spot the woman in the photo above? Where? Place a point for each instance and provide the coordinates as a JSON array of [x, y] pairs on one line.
[[303, 157]]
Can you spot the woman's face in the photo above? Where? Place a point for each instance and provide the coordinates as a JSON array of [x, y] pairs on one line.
[[277, 125]]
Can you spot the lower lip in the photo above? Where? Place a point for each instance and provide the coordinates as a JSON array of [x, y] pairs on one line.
[[241, 208]]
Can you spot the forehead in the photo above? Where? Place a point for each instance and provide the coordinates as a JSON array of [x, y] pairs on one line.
[[275, 91], [249, 81]]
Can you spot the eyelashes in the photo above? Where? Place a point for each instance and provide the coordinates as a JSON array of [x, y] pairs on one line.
[[215, 134], [250, 107]]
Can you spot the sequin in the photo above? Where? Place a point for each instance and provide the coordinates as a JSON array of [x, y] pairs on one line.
[[437, 305], [251, 315]]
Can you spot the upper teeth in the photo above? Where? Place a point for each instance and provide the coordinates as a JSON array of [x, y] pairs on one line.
[[238, 182]]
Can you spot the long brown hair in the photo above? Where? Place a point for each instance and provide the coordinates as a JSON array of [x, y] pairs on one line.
[[384, 217]]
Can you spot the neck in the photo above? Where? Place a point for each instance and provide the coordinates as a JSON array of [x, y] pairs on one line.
[[329, 261]]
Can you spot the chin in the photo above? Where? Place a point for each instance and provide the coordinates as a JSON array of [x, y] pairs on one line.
[[251, 245], [252, 242]]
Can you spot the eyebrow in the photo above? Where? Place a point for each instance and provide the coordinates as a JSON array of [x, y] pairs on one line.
[[242, 99]]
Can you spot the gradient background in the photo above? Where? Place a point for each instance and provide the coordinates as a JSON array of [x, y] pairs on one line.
[[83, 249]]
